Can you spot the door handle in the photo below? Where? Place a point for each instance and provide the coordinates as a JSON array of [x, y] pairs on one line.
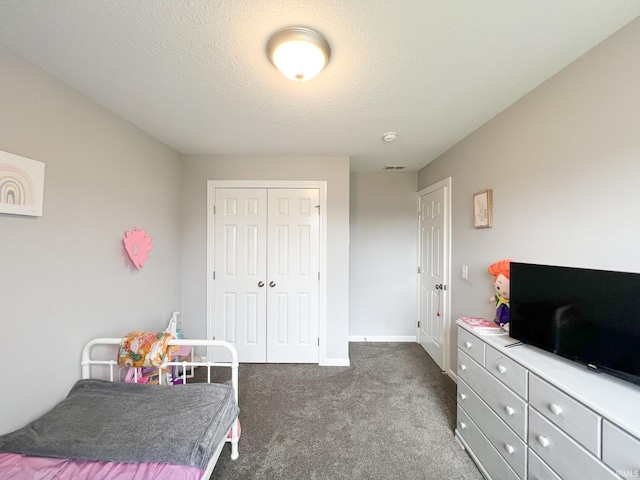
[[261, 283], [441, 286], [272, 283]]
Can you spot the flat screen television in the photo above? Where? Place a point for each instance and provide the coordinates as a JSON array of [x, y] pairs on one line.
[[588, 316]]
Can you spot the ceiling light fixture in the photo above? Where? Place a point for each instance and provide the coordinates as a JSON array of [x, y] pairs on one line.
[[298, 52]]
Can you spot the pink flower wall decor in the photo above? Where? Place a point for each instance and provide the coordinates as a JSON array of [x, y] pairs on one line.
[[137, 245]]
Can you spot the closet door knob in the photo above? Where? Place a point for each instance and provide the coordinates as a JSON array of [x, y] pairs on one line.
[[463, 425], [502, 368], [272, 283], [463, 396], [261, 284], [509, 449], [463, 366], [509, 410], [467, 344]]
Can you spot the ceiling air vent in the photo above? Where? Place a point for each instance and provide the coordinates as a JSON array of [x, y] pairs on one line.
[[393, 168]]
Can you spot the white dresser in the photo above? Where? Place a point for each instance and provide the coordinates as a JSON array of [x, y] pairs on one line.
[[527, 414]]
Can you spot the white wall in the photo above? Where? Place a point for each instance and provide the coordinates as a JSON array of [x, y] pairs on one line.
[[383, 258], [564, 164], [63, 276], [335, 170]]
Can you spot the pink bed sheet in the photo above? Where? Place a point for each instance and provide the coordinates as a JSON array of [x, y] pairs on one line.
[[19, 467]]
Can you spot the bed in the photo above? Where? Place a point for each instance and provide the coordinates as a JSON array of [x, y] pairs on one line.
[[109, 429]]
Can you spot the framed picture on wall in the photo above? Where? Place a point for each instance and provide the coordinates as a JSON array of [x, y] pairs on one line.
[[482, 206], [21, 185]]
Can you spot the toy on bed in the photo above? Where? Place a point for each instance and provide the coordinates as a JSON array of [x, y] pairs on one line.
[[146, 354], [127, 429], [500, 271]]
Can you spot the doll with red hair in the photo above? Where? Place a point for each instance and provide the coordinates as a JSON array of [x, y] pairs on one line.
[[500, 272]]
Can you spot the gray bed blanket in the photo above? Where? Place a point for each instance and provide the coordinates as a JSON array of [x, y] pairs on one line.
[[128, 422]]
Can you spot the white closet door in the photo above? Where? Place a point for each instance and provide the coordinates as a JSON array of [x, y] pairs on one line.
[[292, 271], [240, 285], [267, 263]]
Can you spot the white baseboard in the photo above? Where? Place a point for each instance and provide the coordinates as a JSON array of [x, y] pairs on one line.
[[336, 362], [383, 338]]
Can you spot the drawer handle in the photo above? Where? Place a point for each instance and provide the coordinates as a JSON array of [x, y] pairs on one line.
[[463, 366], [463, 425], [502, 368], [509, 449], [556, 409], [467, 344], [509, 410], [544, 441], [463, 396]]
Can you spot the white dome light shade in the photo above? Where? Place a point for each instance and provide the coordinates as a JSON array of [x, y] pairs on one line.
[[299, 61], [299, 53]]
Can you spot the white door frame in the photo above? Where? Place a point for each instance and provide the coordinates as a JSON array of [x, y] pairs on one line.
[[447, 270], [322, 290]]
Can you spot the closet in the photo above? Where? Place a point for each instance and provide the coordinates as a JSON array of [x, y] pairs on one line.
[[266, 251]]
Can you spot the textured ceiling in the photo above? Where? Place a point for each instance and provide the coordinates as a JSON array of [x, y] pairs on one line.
[[194, 74]]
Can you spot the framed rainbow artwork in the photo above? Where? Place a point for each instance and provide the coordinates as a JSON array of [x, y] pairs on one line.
[[21, 185]]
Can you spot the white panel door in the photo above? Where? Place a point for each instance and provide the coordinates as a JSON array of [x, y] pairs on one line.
[[266, 260], [240, 250], [432, 283], [293, 267]]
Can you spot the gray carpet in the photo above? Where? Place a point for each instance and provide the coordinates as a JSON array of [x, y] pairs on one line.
[[390, 415]]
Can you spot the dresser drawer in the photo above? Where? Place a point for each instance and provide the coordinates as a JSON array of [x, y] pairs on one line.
[[568, 414], [505, 441], [538, 470], [565, 456], [509, 406], [506, 370], [621, 451], [471, 345], [482, 449]]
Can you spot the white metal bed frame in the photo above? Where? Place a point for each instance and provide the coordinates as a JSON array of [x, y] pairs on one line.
[[87, 362]]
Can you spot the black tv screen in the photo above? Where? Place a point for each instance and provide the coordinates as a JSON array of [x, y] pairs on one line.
[[589, 316]]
